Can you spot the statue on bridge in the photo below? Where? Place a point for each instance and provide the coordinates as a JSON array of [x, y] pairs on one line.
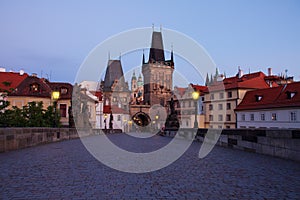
[[172, 122]]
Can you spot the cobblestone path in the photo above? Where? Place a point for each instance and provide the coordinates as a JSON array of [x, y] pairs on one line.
[[65, 170]]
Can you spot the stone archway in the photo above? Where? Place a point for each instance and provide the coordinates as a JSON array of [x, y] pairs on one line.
[[141, 119]]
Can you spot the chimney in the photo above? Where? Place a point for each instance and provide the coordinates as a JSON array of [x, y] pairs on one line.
[[240, 73], [34, 74], [21, 72], [2, 69], [269, 71]]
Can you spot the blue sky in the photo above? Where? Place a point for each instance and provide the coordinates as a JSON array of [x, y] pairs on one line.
[[54, 37]]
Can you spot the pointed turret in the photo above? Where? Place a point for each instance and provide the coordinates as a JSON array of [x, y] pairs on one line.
[[207, 80]]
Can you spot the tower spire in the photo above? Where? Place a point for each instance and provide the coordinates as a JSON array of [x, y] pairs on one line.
[[143, 57]]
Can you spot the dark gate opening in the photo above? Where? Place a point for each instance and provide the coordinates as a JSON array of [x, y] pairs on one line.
[[141, 119]]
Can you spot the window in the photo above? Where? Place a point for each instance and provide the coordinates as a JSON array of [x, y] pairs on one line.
[[34, 87], [183, 104], [220, 118], [258, 98], [211, 107], [290, 95], [220, 106], [221, 95], [190, 103], [63, 90], [274, 116], [124, 99], [187, 123], [212, 96], [252, 117], [293, 116], [63, 110], [211, 118], [229, 94], [243, 117], [228, 127], [228, 106], [119, 117], [228, 118], [114, 99], [262, 117]]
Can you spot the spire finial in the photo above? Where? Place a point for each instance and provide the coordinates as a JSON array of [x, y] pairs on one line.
[[120, 56], [108, 55], [160, 28], [153, 27]]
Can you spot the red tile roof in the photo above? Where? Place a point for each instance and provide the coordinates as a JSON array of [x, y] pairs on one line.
[[276, 97], [248, 81], [10, 80], [180, 91], [24, 88], [58, 86], [114, 109], [199, 88]]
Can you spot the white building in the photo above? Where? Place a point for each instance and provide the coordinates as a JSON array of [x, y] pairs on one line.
[[277, 107]]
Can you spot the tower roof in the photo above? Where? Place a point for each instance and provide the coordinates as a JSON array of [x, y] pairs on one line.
[[157, 48], [114, 72]]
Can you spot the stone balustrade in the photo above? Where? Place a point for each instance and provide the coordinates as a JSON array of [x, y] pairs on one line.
[[274, 142]]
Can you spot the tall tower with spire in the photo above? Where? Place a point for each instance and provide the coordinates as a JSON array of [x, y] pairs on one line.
[[158, 73]]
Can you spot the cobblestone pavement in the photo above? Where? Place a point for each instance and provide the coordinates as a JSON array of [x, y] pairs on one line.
[[65, 170]]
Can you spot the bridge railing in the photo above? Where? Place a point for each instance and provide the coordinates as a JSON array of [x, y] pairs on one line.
[[283, 143]]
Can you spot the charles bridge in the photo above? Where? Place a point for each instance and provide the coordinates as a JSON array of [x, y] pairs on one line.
[[66, 170]]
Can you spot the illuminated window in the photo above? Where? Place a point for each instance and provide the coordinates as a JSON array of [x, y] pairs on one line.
[[274, 116], [63, 90], [34, 87]]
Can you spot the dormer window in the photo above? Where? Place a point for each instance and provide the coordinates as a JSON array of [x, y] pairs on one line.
[[258, 98], [34, 87], [63, 90], [290, 95]]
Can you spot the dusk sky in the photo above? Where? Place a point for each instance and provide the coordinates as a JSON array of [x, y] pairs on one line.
[[54, 37]]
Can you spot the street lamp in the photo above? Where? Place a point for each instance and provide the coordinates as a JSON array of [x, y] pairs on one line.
[[156, 118], [105, 117], [195, 96], [55, 96]]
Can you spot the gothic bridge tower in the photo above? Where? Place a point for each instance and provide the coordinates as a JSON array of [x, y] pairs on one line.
[[158, 73]]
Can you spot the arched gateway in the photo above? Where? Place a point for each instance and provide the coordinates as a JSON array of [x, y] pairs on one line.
[[141, 119]]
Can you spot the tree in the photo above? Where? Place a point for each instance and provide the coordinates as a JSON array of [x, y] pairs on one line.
[[31, 115]]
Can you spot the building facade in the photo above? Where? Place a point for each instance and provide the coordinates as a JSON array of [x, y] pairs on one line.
[[225, 94], [277, 107]]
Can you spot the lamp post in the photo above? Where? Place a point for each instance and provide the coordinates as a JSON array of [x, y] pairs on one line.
[[195, 96], [55, 96], [105, 117], [156, 118]]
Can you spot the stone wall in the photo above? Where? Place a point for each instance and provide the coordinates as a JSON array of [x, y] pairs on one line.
[[17, 138], [274, 142]]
